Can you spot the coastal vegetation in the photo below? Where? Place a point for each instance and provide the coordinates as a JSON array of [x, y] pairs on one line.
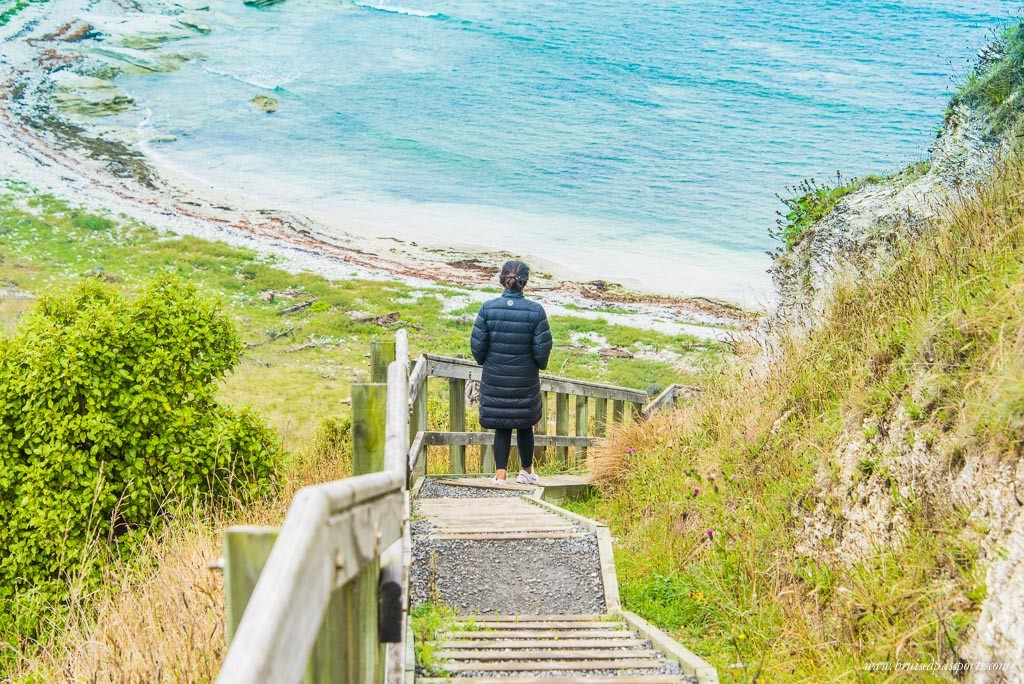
[[287, 348]]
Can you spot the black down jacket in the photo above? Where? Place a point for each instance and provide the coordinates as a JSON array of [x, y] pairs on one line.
[[512, 341]]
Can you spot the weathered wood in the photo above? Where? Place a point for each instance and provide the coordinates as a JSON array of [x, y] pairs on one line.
[[548, 653], [402, 347], [528, 623], [417, 458], [601, 417], [447, 367], [513, 642], [418, 419], [297, 307], [581, 428], [330, 534], [457, 423], [665, 399], [487, 452], [478, 536], [689, 662], [246, 549], [609, 579], [417, 379], [369, 417], [548, 665], [541, 428], [561, 427], [636, 410], [396, 438], [545, 634], [618, 411], [382, 353], [478, 438], [590, 679]]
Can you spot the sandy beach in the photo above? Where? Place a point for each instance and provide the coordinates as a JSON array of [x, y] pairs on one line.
[[98, 167]]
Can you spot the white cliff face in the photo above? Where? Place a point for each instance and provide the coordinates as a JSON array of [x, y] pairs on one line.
[[858, 237], [854, 511]]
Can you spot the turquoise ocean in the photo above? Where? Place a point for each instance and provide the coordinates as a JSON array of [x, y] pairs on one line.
[[642, 142]]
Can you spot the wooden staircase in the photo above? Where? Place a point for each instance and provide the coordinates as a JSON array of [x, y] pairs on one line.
[[594, 649]]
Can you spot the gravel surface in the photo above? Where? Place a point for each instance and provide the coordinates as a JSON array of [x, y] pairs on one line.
[[510, 576], [432, 489]]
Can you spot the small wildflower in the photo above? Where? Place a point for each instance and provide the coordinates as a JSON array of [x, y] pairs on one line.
[[741, 636], [630, 450], [696, 491], [711, 534]]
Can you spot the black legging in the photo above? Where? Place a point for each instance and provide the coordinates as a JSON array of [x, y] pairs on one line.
[[503, 445]]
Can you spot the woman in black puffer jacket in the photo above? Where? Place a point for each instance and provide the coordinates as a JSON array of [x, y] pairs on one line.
[[512, 341]]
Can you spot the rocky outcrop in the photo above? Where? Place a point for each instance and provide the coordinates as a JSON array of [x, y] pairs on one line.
[[859, 236]]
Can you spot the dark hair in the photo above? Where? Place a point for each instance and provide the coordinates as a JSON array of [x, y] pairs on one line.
[[514, 275]]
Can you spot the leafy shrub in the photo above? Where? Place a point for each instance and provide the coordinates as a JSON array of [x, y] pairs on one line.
[[92, 222], [107, 416]]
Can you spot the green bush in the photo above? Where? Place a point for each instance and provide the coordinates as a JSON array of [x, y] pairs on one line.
[[107, 417], [92, 222]]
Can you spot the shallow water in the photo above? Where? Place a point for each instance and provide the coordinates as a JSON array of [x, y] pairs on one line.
[[641, 141]]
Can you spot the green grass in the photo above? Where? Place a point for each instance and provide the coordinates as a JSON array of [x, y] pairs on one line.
[[10, 8], [45, 243], [429, 622], [995, 84], [708, 503]]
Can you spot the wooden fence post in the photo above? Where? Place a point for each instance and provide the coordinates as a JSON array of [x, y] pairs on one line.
[[457, 412], [581, 428], [618, 410], [246, 549], [369, 403], [601, 417], [381, 355], [562, 427], [541, 428], [418, 421], [487, 457], [636, 411]]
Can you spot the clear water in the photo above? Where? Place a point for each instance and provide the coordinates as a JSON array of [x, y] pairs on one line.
[[638, 141]]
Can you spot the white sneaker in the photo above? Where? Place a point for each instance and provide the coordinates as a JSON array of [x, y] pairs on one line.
[[500, 483], [527, 478]]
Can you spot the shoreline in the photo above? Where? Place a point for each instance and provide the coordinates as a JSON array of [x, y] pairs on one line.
[[87, 167]]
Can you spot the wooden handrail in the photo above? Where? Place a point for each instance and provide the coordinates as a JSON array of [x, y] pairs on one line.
[[463, 369], [668, 397], [332, 532]]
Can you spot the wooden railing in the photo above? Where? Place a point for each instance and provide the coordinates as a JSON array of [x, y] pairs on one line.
[[586, 426], [325, 598]]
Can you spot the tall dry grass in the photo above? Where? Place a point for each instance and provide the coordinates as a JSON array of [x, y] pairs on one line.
[[709, 502]]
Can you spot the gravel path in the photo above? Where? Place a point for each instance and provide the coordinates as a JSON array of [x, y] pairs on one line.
[[513, 576], [432, 489]]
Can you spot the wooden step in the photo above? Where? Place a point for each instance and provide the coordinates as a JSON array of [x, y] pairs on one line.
[[498, 536], [565, 623], [513, 643], [553, 665], [561, 617], [545, 653], [579, 679], [544, 634]]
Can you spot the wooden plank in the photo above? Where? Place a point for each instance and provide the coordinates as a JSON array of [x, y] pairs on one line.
[[590, 679], [402, 348], [564, 623], [561, 428], [663, 400], [544, 634], [434, 438], [418, 421], [417, 378], [609, 579], [457, 423], [541, 428], [516, 644], [396, 432], [548, 653], [416, 454], [498, 536], [689, 661], [548, 665], [581, 428], [618, 411], [487, 453], [601, 417], [246, 549], [382, 353], [447, 367], [636, 410], [540, 618], [344, 522], [369, 418]]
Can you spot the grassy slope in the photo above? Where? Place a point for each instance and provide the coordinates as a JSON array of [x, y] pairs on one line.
[[708, 510], [161, 613]]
